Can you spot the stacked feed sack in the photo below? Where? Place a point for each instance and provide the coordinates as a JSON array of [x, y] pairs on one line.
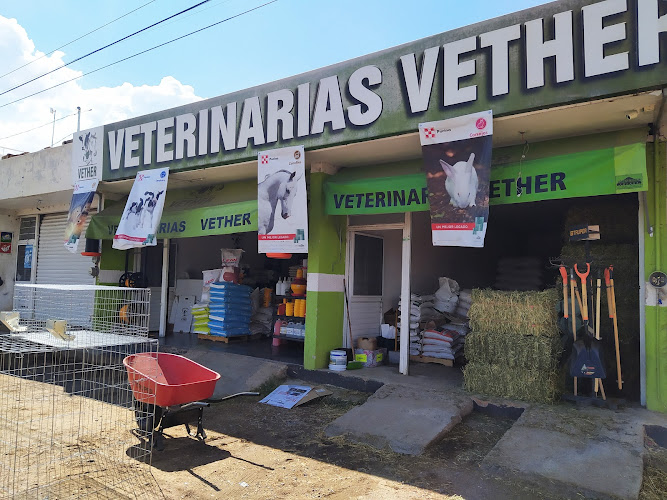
[[459, 330], [514, 346], [413, 317], [441, 344], [465, 301], [519, 273], [200, 319], [229, 309], [447, 296]]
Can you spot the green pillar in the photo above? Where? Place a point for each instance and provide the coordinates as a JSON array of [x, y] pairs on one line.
[[326, 267], [655, 259]]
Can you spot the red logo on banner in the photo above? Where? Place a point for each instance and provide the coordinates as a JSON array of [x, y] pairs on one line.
[[481, 123], [429, 132], [265, 159], [275, 237], [453, 226]]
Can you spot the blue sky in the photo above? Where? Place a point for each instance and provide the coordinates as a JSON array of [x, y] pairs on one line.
[[284, 38]]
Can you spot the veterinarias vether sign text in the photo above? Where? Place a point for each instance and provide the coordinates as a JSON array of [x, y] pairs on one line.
[[562, 52]]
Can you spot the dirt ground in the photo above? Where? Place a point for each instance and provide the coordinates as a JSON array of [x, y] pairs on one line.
[[259, 451], [83, 448]]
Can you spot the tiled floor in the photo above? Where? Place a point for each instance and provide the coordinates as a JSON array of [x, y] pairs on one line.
[[290, 352]]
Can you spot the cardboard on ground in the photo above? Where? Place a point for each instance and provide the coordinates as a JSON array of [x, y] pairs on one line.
[[289, 396]]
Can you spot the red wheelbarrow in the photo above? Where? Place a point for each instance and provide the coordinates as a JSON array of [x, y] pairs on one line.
[[176, 387]]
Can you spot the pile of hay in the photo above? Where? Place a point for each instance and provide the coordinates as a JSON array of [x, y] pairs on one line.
[[514, 347], [514, 313], [514, 383], [513, 351]]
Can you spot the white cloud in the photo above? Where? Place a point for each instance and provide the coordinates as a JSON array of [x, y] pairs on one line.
[[108, 104]]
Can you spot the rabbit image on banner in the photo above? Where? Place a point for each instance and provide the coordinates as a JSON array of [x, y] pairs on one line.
[[461, 183]]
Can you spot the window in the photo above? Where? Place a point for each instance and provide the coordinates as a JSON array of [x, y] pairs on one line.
[[368, 265]]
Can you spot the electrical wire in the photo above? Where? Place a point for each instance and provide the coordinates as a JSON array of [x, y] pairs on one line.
[[39, 126], [12, 149], [106, 46], [77, 39], [138, 53]]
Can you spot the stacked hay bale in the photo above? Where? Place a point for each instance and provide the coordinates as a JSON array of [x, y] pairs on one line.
[[514, 346]]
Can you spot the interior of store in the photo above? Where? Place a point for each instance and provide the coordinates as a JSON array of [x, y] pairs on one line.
[[189, 258], [536, 233]]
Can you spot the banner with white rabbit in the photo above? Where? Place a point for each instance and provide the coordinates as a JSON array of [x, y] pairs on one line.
[[143, 210], [457, 161], [282, 213]]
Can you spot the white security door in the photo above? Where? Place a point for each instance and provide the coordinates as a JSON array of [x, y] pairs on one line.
[[55, 264], [365, 278]]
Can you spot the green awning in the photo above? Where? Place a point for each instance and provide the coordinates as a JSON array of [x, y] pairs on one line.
[[610, 170], [222, 209]]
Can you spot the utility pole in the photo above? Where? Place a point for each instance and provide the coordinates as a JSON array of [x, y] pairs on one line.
[[54, 125], [78, 118]]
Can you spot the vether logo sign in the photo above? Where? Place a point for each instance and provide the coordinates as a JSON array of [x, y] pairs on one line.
[[628, 182]]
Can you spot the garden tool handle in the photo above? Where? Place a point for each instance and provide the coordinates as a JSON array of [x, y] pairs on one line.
[[584, 295], [607, 282], [563, 273]]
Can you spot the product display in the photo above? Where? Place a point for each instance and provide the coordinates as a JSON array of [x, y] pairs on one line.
[[229, 309]]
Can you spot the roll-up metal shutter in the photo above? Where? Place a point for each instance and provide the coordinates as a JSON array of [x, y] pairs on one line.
[[56, 264]]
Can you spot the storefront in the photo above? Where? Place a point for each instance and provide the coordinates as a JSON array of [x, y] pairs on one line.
[[576, 91]]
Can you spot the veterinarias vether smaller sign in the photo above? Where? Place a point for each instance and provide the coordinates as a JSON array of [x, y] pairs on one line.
[[282, 212]]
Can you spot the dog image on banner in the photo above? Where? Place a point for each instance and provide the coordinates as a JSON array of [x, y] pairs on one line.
[[143, 210], [457, 163]]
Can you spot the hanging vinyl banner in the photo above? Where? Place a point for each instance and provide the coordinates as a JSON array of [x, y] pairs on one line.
[[282, 212], [457, 161], [143, 210], [79, 208]]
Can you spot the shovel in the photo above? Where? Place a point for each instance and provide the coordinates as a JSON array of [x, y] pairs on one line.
[[586, 361]]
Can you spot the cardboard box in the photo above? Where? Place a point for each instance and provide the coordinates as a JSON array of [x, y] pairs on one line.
[[367, 343], [370, 358]]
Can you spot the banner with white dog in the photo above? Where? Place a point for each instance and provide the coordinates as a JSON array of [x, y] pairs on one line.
[[143, 210], [457, 161], [282, 212], [79, 208]]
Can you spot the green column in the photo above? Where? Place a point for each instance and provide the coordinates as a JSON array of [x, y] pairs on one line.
[[655, 259], [326, 266]]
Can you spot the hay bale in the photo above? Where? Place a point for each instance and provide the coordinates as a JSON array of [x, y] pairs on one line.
[[513, 351], [515, 313], [513, 383]]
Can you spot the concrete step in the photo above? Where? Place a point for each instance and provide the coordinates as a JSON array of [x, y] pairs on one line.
[[402, 418]]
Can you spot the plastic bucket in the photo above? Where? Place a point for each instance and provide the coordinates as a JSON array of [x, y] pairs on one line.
[[338, 358]]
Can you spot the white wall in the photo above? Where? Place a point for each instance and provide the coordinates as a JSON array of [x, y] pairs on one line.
[[8, 262], [45, 171]]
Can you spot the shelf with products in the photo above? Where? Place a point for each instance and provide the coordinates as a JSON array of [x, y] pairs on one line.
[[284, 317]]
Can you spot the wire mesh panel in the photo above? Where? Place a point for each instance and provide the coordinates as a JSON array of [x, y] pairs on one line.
[[67, 411]]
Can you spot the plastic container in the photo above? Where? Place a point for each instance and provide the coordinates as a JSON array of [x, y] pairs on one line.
[[168, 379], [337, 358], [289, 309]]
